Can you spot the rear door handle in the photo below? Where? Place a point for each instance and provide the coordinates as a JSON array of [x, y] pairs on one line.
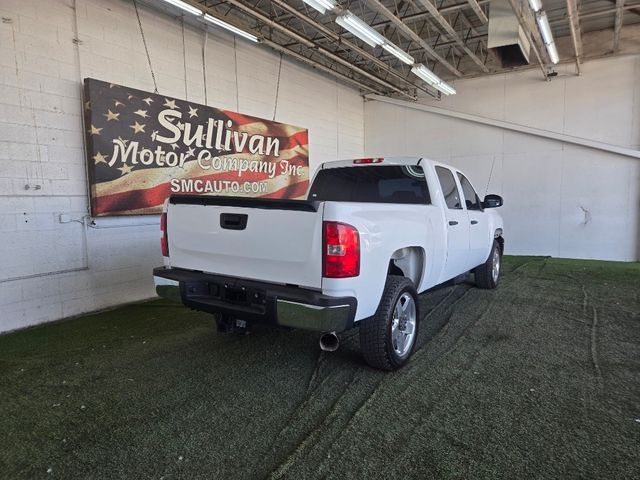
[[473, 222], [233, 221], [453, 222]]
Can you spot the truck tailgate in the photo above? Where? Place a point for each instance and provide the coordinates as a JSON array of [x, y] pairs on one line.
[[281, 241]]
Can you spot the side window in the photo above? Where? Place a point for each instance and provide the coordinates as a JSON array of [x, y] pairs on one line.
[[471, 199], [449, 188]]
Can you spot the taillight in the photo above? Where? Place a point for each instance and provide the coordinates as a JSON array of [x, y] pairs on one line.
[[341, 246], [164, 240], [363, 161]]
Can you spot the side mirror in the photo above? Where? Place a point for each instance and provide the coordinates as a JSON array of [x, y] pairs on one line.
[[492, 201]]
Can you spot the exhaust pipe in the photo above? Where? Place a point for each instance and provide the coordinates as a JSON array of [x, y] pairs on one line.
[[329, 342]]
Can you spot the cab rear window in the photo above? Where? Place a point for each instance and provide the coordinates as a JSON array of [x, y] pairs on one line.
[[379, 184]]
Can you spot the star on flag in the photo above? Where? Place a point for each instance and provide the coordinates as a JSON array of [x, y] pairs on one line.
[[193, 112], [170, 104], [180, 125], [99, 158], [125, 169], [148, 100], [117, 103], [137, 128], [111, 116], [142, 113], [94, 131], [190, 152]]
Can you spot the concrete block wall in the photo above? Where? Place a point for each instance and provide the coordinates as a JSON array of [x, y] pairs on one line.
[[51, 270], [561, 199]]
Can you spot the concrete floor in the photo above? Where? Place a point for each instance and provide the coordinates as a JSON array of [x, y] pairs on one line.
[[539, 378]]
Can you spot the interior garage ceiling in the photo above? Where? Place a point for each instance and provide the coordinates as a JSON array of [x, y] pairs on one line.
[[448, 36]]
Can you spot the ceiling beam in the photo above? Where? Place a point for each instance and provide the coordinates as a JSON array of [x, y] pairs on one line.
[[431, 8], [474, 35], [318, 66], [330, 34], [414, 17], [252, 11], [478, 11], [376, 5], [635, 8], [617, 26], [576, 34]]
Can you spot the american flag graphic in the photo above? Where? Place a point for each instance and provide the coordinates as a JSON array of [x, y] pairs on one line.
[[142, 147]]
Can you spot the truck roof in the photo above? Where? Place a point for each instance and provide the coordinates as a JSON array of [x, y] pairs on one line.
[[365, 162]]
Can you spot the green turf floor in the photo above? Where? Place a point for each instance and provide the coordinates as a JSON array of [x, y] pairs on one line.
[[537, 379]]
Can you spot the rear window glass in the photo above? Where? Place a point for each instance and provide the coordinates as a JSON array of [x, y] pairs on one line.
[[449, 188], [382, 184]]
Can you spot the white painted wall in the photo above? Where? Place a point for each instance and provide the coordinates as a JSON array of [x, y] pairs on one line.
[[41, 141], [546, 184]]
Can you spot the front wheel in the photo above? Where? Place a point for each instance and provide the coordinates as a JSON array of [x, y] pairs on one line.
[[387, 339], [488, 274]]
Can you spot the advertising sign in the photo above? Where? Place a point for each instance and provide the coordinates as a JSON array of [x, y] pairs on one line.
[[142, 147]]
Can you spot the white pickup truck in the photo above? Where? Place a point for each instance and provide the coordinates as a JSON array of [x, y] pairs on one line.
[[372, 234]]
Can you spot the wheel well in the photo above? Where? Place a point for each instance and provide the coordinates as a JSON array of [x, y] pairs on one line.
[[408, 262], [500, 241]]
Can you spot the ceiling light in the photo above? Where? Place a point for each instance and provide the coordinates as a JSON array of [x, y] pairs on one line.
[[545, 28], [360, 29], [553, 53], [321, 5], [547, 36], [184, 6], [535, 5], [432, 79], [427, 75], [398, 53], [231, 28], [446, 89]]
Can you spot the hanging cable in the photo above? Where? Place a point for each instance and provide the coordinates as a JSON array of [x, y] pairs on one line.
[[204, 63], [146, 49], [235, 62], [184, 61], [275, 106]]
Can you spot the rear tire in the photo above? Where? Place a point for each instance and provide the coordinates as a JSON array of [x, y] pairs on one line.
[[488, 274], [387, 339]]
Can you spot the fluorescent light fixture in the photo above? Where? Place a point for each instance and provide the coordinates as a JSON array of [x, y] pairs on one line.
[[360, 29], [545, 28], [446, 89], [184, 6], [432, 79], [536, 5], [321, 5], [425, 74], [553, 53], [398, 53], [231, 28], [547, 36]]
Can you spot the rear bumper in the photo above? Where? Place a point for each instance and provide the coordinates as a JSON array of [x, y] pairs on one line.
[[262, 302]]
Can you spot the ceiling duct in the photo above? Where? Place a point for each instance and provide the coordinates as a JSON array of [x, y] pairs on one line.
[[506, 37]]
